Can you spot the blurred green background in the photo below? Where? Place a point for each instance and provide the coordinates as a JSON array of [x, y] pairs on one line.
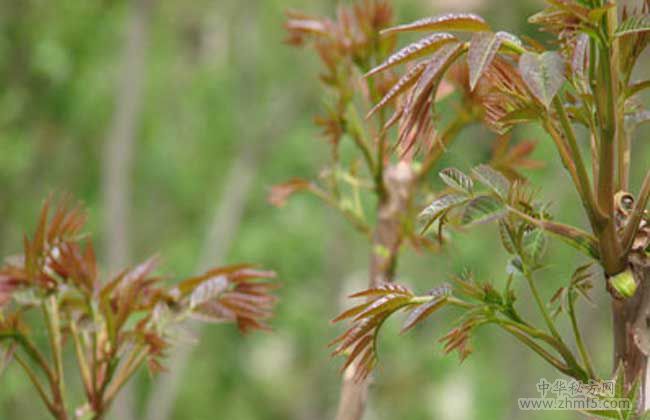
[[208, 109]]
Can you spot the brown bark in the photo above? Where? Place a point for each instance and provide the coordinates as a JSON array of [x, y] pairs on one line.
[[392, 211], [631, 324]]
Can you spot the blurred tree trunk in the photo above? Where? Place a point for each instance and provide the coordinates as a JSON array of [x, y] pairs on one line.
[[118, 156], [223, 228], [244, 41], [387, 240]]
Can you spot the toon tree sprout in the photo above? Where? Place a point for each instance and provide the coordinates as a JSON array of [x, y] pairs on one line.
[[111, 327], [378, 180], [586, 80]]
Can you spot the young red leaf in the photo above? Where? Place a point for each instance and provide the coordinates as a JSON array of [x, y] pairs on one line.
[[405, 82], [422, 311], [280, 193], [386, 289], [448, 22], [482, 50], [415, 50]]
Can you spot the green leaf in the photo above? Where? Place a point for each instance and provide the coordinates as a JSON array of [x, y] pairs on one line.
[[482, 50], [506, 238], [442, 204], [543, 74], [438, 207], [483, 209], [457, 180], [634, 24], [415, 50], [467, 22], [492, 179], [534, 245]]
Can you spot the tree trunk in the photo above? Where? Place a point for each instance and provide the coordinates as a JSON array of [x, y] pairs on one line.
[[118, 157], [631, 322], [393, 210]]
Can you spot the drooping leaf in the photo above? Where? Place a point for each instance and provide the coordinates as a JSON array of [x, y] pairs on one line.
[[422, 312], [483, 209], [384, 304], [406, 81], [424, 91], [543, 74], [634, 24], [415, 50], [482, 49], [492, 179], [467, 22], [352, 312], [457, 180]]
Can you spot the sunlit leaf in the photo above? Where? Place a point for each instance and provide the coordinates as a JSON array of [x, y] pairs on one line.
[[448, 22]]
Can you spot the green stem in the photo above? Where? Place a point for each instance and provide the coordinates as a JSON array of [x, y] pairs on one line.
[[129, 368], [537, 349], [353, 218], [568, 233], [606, 96], [583, 182], [52, 321], [637, 87], [578, 337], [37, 384], [560, 345], [81, 359]]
